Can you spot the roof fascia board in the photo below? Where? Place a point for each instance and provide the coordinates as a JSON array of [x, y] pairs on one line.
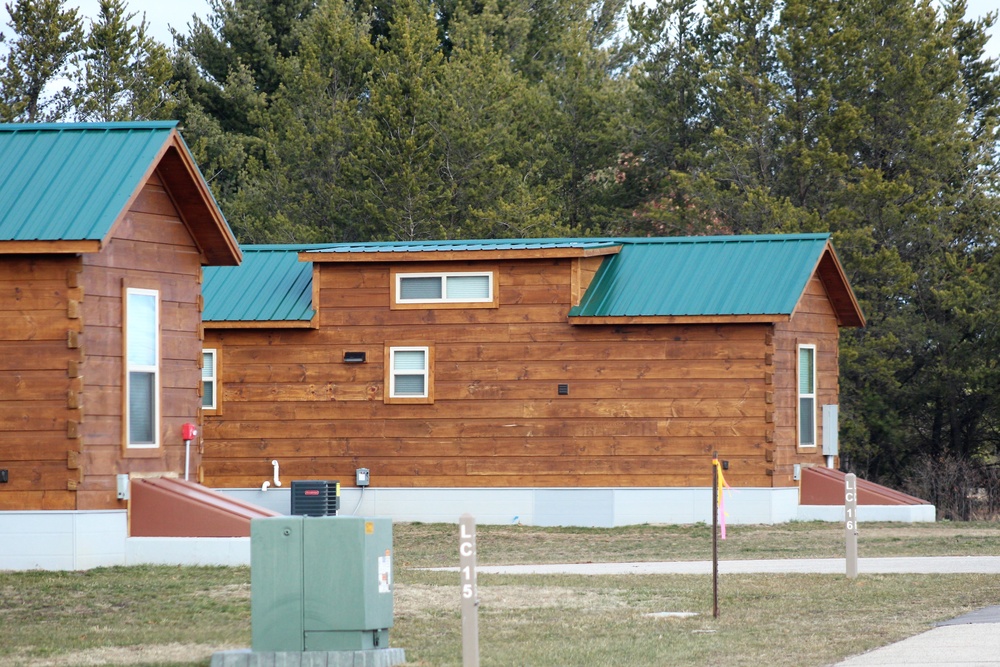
[[231, 254], [857, 316], [49, 247], [457, 255], [175, 142], [262, 324], [232, 246], [314, 286], [680, 319], [831, 273], [136, 190]]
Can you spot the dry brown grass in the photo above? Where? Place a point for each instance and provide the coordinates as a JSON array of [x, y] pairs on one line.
[[180, 616]]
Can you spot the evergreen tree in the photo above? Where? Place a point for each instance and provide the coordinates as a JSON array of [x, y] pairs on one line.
[[419, 120], [47, 35], [125, 73], [302, 186], [404, 196], [491, 164], [874, 119]]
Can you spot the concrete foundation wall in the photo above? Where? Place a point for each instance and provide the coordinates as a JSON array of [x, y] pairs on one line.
[[62, 540], [229, 551], [601, 508], [870, 513], [66, 540]]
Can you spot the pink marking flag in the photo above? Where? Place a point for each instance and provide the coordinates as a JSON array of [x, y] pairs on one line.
[[722, 497]]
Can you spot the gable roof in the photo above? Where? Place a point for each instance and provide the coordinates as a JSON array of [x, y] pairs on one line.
[[747, 278], [689, 279], [64, 186]]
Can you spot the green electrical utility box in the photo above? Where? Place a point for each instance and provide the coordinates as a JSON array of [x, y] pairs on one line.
[[320, 583]]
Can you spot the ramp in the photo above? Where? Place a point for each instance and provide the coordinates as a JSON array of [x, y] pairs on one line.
[[162, 507], [825, 486]]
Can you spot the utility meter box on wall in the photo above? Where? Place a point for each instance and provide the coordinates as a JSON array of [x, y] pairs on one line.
[[320, 583]]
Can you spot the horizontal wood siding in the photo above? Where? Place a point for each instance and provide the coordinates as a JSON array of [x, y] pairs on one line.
[[151, 248], [646, 405], [40, 384], [814, 323]]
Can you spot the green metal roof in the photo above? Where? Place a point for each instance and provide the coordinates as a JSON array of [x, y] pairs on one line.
[[270, 285], [70, 181], [704, 276], [654, 277]]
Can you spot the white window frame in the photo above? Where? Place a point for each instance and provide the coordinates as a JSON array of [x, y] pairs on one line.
[[805, 396], [210, 376], [153, 369], [425, 372], [444, 276]]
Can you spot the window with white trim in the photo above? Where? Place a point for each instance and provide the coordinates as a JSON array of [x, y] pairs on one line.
[[142, 376], [444, 287], [807, 395], [209, 379], [409, 372]]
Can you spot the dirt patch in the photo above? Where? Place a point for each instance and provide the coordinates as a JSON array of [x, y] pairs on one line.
[[416, 599], [131, 655], [229, 592]]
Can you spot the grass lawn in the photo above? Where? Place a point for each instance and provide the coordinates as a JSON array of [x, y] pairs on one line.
[[180, 616]]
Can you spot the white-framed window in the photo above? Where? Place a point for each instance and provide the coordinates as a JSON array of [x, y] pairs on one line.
[[807, 395], [209, 379], [467, 287], [142, 368], [409, 372]]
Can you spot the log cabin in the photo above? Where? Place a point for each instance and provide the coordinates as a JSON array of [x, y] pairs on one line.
[[543, 381], [104, 230]]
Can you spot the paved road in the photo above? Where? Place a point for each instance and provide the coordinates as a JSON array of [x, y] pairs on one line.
[[971, 640]]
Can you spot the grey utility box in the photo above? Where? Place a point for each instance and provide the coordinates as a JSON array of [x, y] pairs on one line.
[[320, 583]]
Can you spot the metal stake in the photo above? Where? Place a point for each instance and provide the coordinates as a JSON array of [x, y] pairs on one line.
[[715, 536]]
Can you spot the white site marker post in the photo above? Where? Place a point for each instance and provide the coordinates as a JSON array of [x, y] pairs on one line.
[[470, 596], [851, 523]]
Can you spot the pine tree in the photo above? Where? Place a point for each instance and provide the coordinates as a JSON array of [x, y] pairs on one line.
[[46, 37], [301, 186], [491, 162], [125, 73], [877, 120], [404, 196]]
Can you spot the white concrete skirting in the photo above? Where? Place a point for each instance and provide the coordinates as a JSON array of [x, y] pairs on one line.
[[228, 551], [62, 540], [598, 507], [870, 513], [81, 540], [67, 540]]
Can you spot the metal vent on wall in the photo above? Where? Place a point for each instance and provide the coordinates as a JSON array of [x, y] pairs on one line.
[[315, 497]]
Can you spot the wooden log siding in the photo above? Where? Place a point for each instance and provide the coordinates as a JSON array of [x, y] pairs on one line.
[[647, 404], [813, 323], [40, 362], [151, 234]]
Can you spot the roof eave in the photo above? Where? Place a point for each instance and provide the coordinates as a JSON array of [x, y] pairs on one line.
[[193, 200], [457, 255], [197, 205], [261, 324], [759, 318], [845, 304], [58, 247]]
